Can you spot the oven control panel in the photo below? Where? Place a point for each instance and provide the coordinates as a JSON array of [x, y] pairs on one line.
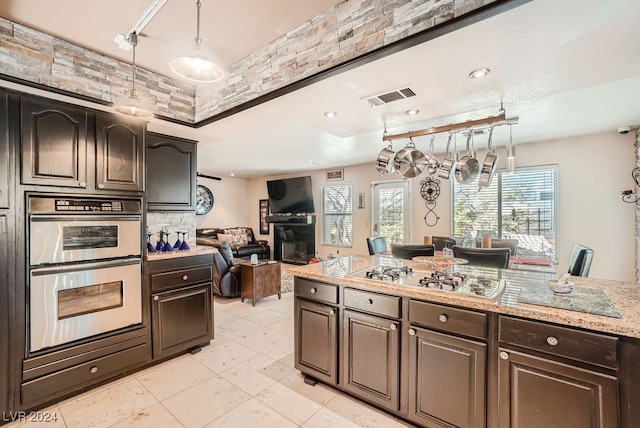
[[87, 205], [69, 205]]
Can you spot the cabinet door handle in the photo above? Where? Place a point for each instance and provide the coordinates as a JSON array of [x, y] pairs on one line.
[[552, 341], [443, 318], [93, 369], [313, 290], [332, 312], [83, 184], [369, 302], [504, 355], [392, 327], [412, 332], [185, 277], [156, 298], [100, 186]]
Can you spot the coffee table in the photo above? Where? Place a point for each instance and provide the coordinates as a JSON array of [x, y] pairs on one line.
[[261, 280]]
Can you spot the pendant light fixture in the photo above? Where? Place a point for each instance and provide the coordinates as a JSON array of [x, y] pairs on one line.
[[132, 106], [196, 66]]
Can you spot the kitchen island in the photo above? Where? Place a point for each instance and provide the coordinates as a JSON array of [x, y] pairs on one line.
[[440, 358]]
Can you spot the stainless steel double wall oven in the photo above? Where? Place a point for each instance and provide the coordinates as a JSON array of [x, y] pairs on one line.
[[85, 274]]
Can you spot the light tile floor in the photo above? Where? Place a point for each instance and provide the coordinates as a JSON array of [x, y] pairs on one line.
[[244, 378]]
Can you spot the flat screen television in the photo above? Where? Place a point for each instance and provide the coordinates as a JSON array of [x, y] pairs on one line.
[[290, 195]]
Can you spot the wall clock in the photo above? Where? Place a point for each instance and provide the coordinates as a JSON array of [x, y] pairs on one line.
[[204, 199]]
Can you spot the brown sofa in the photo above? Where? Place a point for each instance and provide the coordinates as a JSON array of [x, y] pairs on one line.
[[241, 240]]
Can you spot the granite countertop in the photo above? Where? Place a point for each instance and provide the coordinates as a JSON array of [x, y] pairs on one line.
[[623, 296], [194, 251]]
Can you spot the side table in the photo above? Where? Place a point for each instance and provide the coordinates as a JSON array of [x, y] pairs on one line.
[[261, 280]]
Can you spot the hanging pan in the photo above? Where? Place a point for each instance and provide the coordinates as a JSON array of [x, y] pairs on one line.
[[468, 167], [410, 162], [384, 163], [489, 164], [433, 164], [448, 163]]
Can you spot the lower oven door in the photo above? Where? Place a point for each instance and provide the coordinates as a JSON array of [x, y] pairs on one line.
[[72, 302]]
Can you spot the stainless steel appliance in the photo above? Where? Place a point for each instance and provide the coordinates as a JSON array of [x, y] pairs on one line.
[[85, 274], [484, 283]]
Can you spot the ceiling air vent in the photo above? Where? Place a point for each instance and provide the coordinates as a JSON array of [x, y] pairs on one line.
[[396, 95]]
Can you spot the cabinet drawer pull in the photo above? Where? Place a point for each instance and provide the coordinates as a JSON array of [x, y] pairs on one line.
[[100, 186], [552, 341], [185, 277], [392, 327], [156, 298], [332, 312], [412, 332], [504, 355], [83, 184], [369, 302], [93, 369], [313, 290], [443, 318]]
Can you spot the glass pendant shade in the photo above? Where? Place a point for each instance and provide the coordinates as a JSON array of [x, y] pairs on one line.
[[196, 66]]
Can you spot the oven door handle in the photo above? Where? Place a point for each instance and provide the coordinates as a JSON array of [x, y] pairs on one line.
[[97, 217], [76, 267]]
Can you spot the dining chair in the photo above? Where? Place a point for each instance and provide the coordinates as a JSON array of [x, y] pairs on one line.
[[487, 257], [511, 244], [580, 261], [440, 242], [409, 251], [377, 245]]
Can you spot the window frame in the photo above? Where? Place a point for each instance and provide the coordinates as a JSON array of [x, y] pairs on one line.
[[323, 214]]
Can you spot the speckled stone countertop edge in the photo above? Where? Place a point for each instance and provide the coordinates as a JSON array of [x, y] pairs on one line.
[[194, 251], [625, 297]]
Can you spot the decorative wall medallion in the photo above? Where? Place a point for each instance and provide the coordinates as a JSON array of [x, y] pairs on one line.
[[430, 190]]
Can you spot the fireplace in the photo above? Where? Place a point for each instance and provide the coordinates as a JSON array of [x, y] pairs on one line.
[[294, 243]]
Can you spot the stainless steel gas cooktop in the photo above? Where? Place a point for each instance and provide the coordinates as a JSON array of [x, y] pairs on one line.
[[474, 282]]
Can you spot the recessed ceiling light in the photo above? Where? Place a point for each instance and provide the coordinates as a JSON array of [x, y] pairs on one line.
[[479, 73], [412, 112], [232, 174], [330, 114]]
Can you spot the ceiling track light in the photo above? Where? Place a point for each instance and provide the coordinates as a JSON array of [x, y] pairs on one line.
[[132, 106], [196, 66]]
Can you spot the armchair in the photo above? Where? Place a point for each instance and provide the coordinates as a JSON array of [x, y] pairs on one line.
[[226, 274]]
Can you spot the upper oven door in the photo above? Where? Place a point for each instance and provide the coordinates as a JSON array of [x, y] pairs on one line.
[[61, 238]]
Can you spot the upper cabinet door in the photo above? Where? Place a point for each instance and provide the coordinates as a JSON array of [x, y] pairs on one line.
[[54, 143], [119, 153], [171, 173]]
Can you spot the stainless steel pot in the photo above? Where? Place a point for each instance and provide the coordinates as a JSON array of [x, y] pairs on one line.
[[433, 164], [489, 164], [384, 163], [467, 168], [410, 162], [448, 163]]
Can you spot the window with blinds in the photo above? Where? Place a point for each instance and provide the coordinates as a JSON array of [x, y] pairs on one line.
[[337, 213], [518, 206]]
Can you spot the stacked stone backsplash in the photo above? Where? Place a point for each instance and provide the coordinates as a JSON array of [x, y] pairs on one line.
[[173, 222]]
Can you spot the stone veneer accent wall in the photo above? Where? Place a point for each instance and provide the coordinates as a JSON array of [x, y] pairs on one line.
[[182, 221], [348, 30]]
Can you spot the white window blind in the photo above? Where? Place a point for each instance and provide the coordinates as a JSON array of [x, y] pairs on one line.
[[337, 212], [518, 206]]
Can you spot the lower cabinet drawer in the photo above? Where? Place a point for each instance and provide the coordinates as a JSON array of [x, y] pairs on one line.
[[374, 303], [589, 347], [318, 291], [57, 384], [448, 319], [163, 281]]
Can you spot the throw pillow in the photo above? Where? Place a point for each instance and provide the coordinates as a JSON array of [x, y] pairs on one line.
[[226, 238]]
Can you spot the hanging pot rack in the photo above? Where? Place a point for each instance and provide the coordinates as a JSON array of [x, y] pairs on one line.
[[491, 121]]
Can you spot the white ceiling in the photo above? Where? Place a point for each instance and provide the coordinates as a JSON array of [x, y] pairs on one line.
[[563, 68]]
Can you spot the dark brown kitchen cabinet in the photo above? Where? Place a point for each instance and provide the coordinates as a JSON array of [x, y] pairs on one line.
[[181, 304], [6, 175], [119, 153], [446, 380], [557, 376], [54, 143], [316, 332], [171, 173], [371, 358]]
